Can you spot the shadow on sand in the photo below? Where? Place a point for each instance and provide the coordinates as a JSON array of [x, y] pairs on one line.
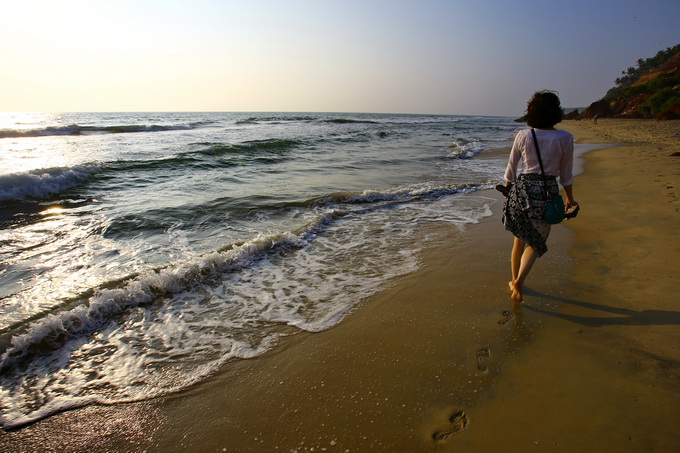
[[619, 316]]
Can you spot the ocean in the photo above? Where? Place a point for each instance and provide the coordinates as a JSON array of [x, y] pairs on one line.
[[140, 253]]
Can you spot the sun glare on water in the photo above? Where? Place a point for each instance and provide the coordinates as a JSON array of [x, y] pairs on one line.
[[22, 149], [23, 120]]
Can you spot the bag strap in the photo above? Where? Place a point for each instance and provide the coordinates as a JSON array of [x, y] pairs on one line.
[[540, 162], [538, 152]]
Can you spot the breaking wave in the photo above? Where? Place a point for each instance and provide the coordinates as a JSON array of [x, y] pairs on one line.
[[76, 129], [248, 146], [43, 183]]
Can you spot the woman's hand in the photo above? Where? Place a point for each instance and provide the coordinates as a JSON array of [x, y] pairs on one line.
[[571, 209]]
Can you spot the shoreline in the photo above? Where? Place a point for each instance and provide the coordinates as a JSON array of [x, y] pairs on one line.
[[442, 360], [388, 378]]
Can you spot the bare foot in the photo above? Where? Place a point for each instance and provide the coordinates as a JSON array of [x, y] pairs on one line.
[[517, 297], [516, 293]]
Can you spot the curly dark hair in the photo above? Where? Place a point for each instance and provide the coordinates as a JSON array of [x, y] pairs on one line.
[[544, 110]]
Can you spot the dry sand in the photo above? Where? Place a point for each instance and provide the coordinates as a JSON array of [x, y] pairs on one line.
[[443, 361]]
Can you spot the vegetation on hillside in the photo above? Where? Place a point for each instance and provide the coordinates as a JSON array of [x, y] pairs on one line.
[[651, 89], [646, 66]]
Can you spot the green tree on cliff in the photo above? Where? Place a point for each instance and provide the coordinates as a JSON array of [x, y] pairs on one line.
[[645, 66]]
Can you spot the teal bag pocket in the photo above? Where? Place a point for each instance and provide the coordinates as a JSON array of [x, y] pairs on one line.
[[554, 210]]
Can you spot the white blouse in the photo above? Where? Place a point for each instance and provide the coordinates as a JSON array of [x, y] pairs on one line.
[[557, 152]]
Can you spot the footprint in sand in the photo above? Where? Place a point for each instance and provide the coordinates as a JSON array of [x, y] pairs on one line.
[[457, 423], [482, 355], [507, 316]]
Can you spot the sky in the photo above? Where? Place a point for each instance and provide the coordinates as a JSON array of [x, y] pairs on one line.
[[476, 57]]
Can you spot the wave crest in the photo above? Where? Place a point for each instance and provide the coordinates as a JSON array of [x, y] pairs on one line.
[[248, 146], [465, 149], [43, 183], [99, 309], [75, 129]]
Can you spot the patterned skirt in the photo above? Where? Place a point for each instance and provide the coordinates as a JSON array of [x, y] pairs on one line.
[[524, 209]]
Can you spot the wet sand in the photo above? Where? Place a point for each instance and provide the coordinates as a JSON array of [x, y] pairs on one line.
[[442, 360]]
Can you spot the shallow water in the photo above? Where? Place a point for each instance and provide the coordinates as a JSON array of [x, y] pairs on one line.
[[142, 251]]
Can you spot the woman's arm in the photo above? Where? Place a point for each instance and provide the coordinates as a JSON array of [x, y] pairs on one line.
[[513, 161], [570, 196]]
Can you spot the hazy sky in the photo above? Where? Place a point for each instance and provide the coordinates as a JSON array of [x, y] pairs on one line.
[[476, 57]]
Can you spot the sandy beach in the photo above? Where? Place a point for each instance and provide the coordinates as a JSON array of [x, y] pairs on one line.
[[443, 361], [604, 371]]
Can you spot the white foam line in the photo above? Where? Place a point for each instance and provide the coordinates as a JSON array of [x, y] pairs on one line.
[[145, 288]]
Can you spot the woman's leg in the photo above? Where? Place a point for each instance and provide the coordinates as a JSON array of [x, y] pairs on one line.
[[526, 262], [516, 257]]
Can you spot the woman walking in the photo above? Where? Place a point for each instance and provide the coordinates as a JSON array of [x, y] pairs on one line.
[[524, 208]]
